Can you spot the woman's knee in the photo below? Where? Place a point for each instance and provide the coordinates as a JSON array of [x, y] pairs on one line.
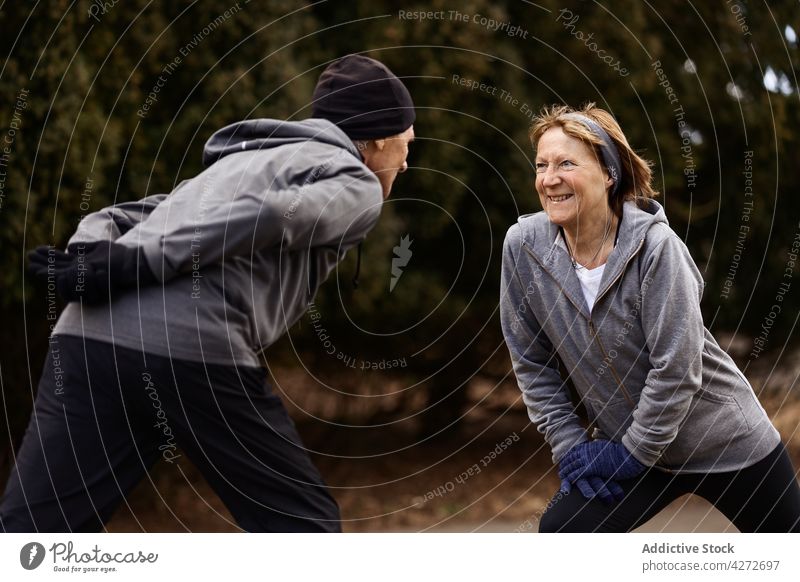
[[560, 513], [573, 513], [550, 523]]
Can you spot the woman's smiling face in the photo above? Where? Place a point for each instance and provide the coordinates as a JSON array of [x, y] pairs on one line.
[[571, 183]]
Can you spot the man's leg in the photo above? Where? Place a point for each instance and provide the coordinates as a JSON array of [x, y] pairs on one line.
[[764, 497], [645, 496], [81, 453], [241, 438]]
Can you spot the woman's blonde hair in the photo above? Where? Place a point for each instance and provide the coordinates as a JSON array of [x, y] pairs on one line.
[[636, 180]]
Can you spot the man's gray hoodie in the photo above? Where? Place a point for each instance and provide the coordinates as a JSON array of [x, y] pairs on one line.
[[642, 361], [240, 249]]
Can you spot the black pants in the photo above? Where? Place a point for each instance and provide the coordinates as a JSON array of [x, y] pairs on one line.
[[104, 415], [764, 497]]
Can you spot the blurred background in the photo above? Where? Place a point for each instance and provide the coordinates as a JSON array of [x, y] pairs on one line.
[[414, 419]]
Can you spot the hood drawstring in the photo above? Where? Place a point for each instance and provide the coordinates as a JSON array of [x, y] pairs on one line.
[[358, 267]]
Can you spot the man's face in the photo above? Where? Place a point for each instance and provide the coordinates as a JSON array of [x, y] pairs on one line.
[[387, 158]]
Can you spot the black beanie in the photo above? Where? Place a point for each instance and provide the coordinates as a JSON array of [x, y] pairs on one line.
[[364, 98]]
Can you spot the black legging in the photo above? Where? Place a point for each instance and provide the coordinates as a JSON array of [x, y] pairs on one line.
[[763, 497]]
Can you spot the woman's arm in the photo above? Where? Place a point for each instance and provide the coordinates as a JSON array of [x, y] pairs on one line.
[[534, 359], [673, 324]]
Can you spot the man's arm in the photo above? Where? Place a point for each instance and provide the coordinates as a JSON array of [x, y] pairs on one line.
[[94, 263], [112, 222], [337, 209]]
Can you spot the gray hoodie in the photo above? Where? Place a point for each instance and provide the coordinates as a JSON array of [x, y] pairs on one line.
[[642, 361], [241, 248]]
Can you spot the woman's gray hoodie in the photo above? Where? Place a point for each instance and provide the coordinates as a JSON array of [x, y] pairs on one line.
[[240, 249], [643, 363]]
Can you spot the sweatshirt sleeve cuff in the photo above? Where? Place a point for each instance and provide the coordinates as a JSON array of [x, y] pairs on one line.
[[641, 454], [567, 438]]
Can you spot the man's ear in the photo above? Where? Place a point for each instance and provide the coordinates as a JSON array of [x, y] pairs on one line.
[[379, 144]]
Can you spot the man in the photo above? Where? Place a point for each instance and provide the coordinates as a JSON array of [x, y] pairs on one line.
[[173, 297]]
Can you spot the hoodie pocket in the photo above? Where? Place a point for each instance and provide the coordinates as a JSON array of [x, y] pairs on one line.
[[725, 400], [711, 428]]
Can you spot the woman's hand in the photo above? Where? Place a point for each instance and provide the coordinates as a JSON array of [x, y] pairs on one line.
[[590, 487], [599, 458]]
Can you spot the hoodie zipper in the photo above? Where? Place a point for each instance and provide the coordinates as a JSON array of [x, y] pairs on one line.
[[611, 365], [592, 327], [596, 336], [594, 330], [625, 266]]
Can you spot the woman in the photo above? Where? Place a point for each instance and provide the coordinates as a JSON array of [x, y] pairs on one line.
[[599, 286]]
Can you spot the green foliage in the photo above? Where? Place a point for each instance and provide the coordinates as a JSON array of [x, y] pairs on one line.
[[92, 132], [471, 161]]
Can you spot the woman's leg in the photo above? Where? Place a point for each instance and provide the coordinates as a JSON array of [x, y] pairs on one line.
[[645, 496], [764, 497]]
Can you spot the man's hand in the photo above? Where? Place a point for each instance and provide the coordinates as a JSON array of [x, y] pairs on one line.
[[91, 271]]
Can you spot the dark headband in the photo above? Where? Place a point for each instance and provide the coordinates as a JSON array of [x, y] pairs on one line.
[[608, 150]]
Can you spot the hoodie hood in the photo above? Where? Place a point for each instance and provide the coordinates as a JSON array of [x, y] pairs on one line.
[[258, 134], [541, 238]]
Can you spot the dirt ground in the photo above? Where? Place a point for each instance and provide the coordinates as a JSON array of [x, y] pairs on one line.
[[494, 474]]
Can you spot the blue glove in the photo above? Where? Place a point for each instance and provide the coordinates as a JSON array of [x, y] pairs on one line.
[[590, 487], [599, 458]]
